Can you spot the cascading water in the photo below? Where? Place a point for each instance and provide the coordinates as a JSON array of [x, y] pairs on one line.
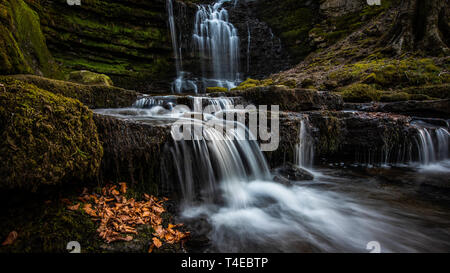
[[217, 42], [181, 83], [304, 154], [227, 186], [432, 146]]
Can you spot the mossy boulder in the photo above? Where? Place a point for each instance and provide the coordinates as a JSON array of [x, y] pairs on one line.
[[90, 78], [360, 93], [46, 139]]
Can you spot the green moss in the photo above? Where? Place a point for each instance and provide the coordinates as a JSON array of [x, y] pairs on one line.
[[419, 97], [441, 91], [329, 140], [45, 138], [23, 47], [128, 41], [360, 93], [392, 73], [91, 78], [396, 96], [216, 89], [251, 83], [94, 96], [291, 20]]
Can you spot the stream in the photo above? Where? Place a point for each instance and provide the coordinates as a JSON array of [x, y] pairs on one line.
[[230, 199]]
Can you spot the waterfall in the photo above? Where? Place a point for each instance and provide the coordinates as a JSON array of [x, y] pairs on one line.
[[217, 42], [432, 145], [180, 84], [218, 162], [304, 155]]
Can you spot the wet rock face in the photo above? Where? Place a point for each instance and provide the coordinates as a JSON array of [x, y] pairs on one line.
[[362, 137], [429, 108], [338, 8], [294, 173], [261, 51], [126, 40], [290, 99], [132, 152]]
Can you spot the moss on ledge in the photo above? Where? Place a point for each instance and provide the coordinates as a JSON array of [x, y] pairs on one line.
[[393, 73], [360, 93], [46, 138], [93, 96], [216, 89], [90, 78]]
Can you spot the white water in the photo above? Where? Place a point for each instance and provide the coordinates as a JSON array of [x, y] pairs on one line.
[[180, 84], [433, 148], [217, 43], [228, 183], [304, 155]]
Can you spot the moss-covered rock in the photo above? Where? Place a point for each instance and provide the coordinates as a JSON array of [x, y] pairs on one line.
[[90, 78], [93, 96], [216, 89], [360, 93], [46, 138], [393, 73], [441, 91], [23, 47], [395, 96], [288, 99]]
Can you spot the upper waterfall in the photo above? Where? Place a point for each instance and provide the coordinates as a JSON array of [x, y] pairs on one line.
[[216, 44]]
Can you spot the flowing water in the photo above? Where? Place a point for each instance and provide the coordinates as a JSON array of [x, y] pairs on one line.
[[216, 42], [229, 195]]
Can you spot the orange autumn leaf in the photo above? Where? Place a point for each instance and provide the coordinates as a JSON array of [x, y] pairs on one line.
[[123, 187], [11, 238], [119, 217], [157, 242], [74, 207], [115, 192], [150, 249]]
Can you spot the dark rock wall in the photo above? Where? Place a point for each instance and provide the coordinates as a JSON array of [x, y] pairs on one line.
[[133, 152], [127, 40]]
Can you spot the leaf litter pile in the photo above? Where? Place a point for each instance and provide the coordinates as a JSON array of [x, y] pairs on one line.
[[119, 216]]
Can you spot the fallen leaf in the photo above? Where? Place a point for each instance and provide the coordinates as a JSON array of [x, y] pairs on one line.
[[12, 236], [74, 207], [150, 249], [114, 192], [123, 187], [157, 242]]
